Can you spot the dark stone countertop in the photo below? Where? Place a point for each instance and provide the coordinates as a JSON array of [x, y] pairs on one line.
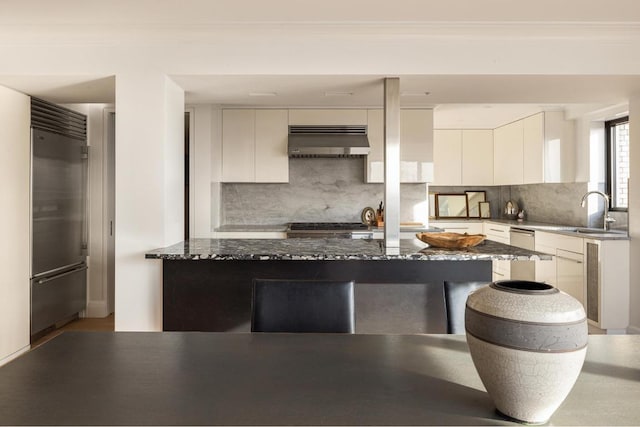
[[262, 228], [256, 228], [333, 249]]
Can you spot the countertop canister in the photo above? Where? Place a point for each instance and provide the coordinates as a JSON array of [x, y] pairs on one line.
[[528, 341]]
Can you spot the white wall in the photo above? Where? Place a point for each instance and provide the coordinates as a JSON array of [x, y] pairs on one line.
[[149, 192], [15, 256]]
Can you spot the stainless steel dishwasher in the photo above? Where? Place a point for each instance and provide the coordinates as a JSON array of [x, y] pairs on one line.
[[525, 239]]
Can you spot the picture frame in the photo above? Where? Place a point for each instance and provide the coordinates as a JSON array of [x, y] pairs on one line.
[[451, 205], [474, 198], [485, 209]]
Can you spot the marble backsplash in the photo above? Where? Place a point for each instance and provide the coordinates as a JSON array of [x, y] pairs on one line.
[[556, 203], [326, 190], [319, 190]]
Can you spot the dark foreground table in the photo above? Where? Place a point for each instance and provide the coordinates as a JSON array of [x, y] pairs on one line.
[[191, 378]]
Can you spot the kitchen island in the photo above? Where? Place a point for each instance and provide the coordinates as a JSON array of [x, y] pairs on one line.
[[207, 282]]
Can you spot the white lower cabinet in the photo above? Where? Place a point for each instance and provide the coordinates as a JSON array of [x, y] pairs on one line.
[[595, 272], [501, 270], [570, 273], [566, 271], [607, 284], [499, 233], [469, 227], [546, 270]]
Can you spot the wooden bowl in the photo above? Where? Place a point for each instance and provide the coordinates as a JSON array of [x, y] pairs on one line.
[[451, 240]]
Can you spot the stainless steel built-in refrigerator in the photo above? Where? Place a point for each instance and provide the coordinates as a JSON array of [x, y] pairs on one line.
[[58, 214]]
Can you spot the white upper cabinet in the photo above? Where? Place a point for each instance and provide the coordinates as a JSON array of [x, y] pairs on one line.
[[508, 154], [374, 163], [238, 145], [477, 157], [254, 146], [559, 148], [463, 157], [533, 149], [447, 156], [548, 149], [271, 158], [334, 117], [416, 146]]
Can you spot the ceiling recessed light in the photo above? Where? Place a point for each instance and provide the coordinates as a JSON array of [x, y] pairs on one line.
[[338, 93], [263, 94], [414, 93]]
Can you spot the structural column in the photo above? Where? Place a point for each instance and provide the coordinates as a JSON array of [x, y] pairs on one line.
[[149, 192], [392, 163]]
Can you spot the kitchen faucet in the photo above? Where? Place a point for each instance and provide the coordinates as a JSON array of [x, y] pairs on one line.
[[607, 219]]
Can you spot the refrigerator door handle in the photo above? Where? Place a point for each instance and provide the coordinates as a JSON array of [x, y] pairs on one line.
[[57, 276], [85, 200]]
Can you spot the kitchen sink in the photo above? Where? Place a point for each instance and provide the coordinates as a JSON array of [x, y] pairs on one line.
[[581, 230], [567, 228], [598, 231]]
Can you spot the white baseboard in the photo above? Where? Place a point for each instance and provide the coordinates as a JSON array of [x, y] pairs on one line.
[[96, 309], [632, 330], [13, 355]]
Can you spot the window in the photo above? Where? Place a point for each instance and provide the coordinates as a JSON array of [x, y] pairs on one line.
[[617, 180]]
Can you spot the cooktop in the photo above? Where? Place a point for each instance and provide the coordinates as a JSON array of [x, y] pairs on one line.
[[327, 226]]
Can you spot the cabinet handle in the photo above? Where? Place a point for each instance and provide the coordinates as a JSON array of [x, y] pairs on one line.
[[498, 274], [569, 259], [57, 276], [494, 229]]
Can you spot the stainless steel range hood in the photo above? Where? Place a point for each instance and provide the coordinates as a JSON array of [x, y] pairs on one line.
[[328, 141]]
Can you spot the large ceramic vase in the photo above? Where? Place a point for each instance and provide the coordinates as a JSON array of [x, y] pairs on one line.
[[528, 341]]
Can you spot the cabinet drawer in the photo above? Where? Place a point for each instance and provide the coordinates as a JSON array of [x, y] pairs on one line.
[[571, 244], [461, 227], [570, 274], [546, 241], [497, 232]]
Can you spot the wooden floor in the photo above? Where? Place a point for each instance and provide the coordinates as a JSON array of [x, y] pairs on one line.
[[105, 324]]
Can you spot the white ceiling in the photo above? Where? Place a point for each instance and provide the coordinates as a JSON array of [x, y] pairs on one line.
[[459, 101], [196, 12], [64, 89]]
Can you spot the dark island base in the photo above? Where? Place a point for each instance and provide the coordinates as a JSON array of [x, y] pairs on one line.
[[392, 296]]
